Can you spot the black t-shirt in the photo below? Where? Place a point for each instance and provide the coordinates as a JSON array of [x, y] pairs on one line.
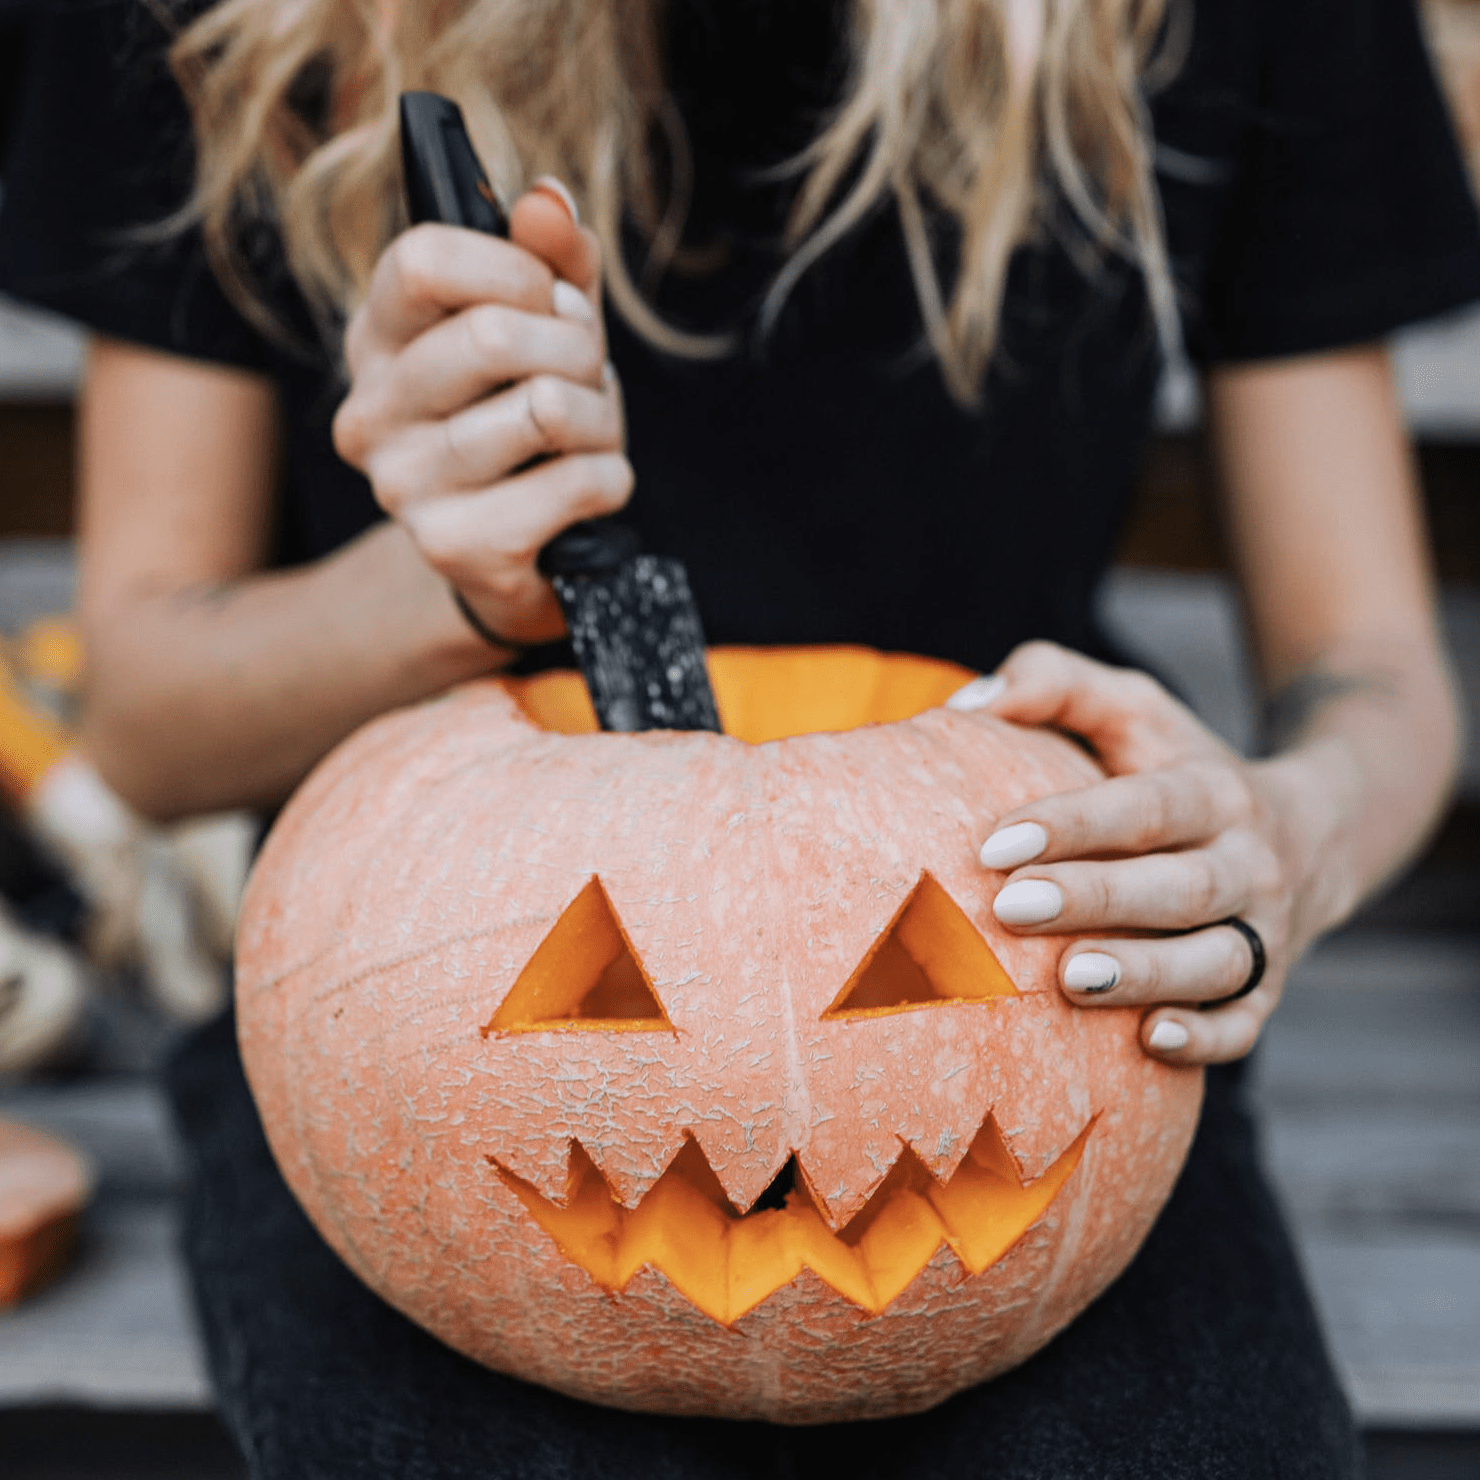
[[820, 483]]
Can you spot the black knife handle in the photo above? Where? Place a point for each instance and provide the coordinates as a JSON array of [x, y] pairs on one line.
[[444, 181], [587, 549]]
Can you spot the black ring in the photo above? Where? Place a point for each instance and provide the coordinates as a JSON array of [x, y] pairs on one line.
[[1256, 950], [481, 627]]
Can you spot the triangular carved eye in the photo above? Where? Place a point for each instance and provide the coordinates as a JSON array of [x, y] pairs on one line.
[[930, 953], [584, 974]]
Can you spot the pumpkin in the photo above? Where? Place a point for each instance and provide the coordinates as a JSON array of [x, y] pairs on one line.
[[44, 1186], [692, 1072]]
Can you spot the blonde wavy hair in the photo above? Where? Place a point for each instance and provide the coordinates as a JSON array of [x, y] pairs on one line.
[[1015, 117]]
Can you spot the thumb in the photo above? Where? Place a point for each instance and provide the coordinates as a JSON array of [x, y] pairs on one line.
[[1127, 718], [544, 221]]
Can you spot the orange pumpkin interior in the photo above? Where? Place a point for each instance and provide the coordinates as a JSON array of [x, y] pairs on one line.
[[583, 974], [770, 693], [929, 953], [726, 1262]]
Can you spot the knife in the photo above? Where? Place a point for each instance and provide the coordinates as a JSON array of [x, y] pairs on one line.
[[631, 616]]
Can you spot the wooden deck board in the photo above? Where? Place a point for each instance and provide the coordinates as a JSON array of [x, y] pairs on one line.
[[1402, 1313], [1369, 1082]]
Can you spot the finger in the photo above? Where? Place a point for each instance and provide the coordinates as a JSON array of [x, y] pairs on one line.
[[544, 222], [547, 223], [434, 270], [455, 363], [1201, 966], [980, 693], [1183, 1036], [1141, 813], [1130, 720], [613, 384], [463, 358], [481, 541], [1155, 891], [543, 416]]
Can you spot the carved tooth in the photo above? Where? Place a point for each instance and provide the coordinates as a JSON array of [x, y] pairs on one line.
[[750, 1167], [545, 1168]]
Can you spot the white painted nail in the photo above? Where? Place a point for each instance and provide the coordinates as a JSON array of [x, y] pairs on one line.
[[1168, 1036], [559, 188], [1010, 846], [571, 303], [1028, 902], [1091, 971], [980, 693]]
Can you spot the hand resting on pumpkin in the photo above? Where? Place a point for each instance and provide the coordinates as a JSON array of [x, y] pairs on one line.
[[1361, 723], [1182, 835]]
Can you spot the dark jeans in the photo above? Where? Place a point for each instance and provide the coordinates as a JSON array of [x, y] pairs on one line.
[[1202, 1360]]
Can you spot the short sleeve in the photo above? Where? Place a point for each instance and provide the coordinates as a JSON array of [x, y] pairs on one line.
[[1350, 213], [100, 155]]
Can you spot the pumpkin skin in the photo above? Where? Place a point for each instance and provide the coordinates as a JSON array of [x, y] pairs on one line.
[[555, 1188]]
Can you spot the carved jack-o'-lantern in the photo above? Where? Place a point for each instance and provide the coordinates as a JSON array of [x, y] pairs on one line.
[[692, 1072]]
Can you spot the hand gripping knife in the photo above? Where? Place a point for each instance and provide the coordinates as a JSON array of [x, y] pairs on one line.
[[631, 616]]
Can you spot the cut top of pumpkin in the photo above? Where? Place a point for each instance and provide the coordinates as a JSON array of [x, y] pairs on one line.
[[769, 693]]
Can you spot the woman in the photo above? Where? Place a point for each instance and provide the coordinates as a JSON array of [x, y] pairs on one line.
[[1038, 192]]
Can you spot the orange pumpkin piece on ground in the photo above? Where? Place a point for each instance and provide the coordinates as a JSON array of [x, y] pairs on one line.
[[44, 1186], [692, 1072]]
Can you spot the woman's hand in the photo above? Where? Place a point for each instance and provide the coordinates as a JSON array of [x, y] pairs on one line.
[[1182, 835], [482, 408], [1359, 698]]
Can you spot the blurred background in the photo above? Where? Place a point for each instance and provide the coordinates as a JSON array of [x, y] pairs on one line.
[[112, 937]]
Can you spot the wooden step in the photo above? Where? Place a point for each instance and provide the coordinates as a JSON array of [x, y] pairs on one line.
[[1369, 1083]]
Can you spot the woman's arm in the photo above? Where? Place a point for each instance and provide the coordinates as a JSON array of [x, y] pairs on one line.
[[481, 413], [1327, 539], [1326, 531], [210, 682]]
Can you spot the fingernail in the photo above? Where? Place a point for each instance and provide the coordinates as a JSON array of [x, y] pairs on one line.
[[1168, 1036], [978, 694], [1010, 846], [1028, 902], [571, 303], [559, 189], [1092, 971]]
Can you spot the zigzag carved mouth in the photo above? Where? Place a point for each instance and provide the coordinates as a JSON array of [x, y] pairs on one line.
[[727, 1262]]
